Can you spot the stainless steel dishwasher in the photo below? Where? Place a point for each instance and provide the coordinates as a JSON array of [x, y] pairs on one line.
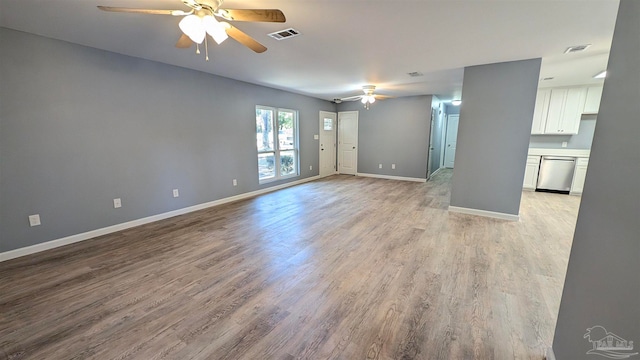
[[556, 173]]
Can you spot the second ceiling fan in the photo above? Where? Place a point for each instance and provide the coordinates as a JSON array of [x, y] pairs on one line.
[[202, 19], [367, 98]]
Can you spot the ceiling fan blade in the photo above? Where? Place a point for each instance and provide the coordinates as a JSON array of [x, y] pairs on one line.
[[263, 15], [352, 98], [382, 97], [184, 42], [245, 39], [142, 11]]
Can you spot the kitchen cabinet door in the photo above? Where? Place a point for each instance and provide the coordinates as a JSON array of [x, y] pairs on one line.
[[579, 175], [531, 173], [573, 107], [565, 109], [540, 111], [592, 102], [554, 114]]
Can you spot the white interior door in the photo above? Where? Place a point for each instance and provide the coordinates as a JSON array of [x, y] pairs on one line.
[[327, 143], [452, 136], [348, 142]]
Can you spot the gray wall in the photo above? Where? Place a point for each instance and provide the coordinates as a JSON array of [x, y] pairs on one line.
[[602, 285], [582, 140], [493, 135], [80, 126], [393, 131], [438, 127]]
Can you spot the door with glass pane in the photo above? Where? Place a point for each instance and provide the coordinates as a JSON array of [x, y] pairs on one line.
[[327, 143]]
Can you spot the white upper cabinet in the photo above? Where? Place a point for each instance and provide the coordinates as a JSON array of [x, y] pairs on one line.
[[558, 111], [540, 111], [592, 104]]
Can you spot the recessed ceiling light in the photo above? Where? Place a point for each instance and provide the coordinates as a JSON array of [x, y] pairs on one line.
[[577, 48], [456, 102], [600, 75]]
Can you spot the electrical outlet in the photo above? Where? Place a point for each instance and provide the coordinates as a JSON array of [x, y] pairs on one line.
[[235, 182], [379, 166], [393, 166], [564, 144], [176, 193], [117, 203], [34, 220], [310, 167], [316, 137]]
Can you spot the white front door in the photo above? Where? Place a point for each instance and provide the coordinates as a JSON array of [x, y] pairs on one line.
[[348, 142], [452, 136], [327, 143]]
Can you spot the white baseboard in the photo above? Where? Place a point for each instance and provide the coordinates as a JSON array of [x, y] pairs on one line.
[[436, 172], [550, 354], [12, 254], [390, 177], [485, 213]]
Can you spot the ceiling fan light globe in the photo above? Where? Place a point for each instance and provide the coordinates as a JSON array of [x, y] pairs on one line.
[[192, 26], [364, 100], [372, 99], [215, 29]]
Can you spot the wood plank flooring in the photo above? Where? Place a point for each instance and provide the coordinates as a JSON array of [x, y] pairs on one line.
[[340, 268]]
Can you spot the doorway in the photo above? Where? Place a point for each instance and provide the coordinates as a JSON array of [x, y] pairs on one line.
[[431, 152], [327, 139], [451, 138], [348, 142]]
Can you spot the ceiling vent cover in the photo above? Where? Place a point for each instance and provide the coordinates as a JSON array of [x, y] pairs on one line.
[[285, 34], [577, 48]]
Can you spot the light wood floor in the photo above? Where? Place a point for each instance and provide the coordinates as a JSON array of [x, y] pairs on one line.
[[341, 268]]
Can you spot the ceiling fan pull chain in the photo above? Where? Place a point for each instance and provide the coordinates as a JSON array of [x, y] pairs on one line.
[[206, 49], [197, 48]]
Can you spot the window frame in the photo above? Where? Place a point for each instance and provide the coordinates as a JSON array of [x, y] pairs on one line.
[[276, 151]]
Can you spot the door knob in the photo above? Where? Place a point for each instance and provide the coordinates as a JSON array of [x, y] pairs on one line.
[[321, 149]]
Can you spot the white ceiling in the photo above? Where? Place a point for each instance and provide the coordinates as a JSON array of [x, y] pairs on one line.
[[346, 44]]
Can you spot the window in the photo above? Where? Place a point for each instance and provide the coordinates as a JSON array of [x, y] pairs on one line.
[[328, 124], [277, 143]]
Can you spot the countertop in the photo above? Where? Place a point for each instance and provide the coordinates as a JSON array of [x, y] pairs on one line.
[[559, 152]]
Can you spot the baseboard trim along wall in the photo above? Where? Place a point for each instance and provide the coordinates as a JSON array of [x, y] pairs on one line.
[[12, 254], [390, 177], [485, 213], [436, 172], [550, 354]]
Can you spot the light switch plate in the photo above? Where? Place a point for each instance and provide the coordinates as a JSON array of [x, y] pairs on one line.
[[235, 182], [379, 166], [176, 193], [564, 144], [393, 166], [117, 203], [316, 137], [34, 220]]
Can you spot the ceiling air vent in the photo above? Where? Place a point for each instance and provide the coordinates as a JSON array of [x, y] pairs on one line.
[[285, 34], [415, 74], [577, 48]]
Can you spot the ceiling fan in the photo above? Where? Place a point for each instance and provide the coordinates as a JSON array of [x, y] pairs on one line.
[[202, 19], [367, 98]]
